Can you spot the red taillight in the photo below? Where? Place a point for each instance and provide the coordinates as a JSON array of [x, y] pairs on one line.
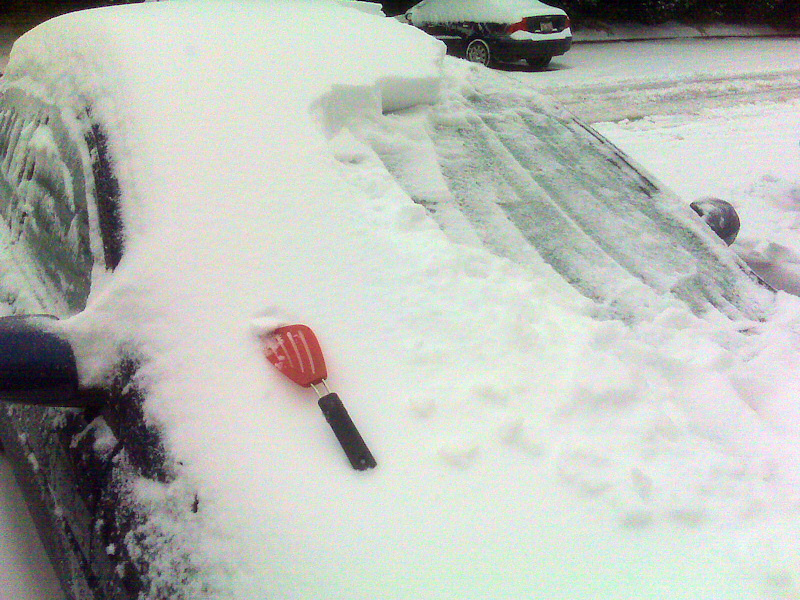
[[521, 26]]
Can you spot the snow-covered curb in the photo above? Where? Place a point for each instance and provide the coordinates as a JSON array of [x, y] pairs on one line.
[[621, 32]]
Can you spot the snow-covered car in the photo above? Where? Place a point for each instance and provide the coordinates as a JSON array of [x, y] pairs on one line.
[[542, 348], [488, 31]]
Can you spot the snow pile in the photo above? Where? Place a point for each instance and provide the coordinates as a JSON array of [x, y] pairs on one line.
[[771, 244], [479, 11], [523, 447], [332, 58], [372, 8]]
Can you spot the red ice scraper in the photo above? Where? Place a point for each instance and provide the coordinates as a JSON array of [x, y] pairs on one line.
[[295, 352]]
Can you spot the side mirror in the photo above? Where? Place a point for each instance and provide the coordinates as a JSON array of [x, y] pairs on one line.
[[720, 216], [37, 366]]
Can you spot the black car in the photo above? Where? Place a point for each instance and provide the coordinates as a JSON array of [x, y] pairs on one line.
[[495, 208], [489, 31]]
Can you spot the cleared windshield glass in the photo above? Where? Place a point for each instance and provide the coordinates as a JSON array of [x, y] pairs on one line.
[[529, 182]]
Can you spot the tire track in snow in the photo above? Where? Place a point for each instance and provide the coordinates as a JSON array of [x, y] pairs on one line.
[[636, 100]]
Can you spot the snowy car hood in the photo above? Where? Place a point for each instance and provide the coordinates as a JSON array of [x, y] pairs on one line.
[[522, 445], [479, 11]]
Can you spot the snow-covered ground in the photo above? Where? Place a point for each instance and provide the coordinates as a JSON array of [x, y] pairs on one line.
[[747, 153], [614, 81]]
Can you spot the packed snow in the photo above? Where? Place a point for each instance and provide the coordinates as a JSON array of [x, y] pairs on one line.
[[613, 32], [479, 11], [524, 446], [372, 8]]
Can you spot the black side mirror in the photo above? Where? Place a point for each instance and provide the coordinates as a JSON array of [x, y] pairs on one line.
[[720, 216], [37, 366]]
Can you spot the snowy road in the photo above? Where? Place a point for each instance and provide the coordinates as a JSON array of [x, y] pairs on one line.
[[695, 112], [634, 100], [629, 80]]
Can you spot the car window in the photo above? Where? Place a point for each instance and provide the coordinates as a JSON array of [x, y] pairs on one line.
[[43, 202]]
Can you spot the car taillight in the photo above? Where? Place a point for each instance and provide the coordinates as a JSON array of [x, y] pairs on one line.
[[521, 26]]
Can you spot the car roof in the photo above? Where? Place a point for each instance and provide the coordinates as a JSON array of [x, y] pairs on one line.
[[250, 201], [479, 11]]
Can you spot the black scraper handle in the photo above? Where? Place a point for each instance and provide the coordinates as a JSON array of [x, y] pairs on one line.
[[346, 432]]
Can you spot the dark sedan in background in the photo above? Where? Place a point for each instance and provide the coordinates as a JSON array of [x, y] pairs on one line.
[[489, 31]]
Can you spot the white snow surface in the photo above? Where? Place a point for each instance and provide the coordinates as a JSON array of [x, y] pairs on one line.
[[736, 66], [372, 8], [524, 448], [609, 32], [480, 11]]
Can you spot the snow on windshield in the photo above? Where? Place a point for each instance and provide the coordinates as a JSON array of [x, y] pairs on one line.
[[479, 11], [522, 445]]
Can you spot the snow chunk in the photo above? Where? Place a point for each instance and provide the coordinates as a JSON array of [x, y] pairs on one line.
[[531, 36]]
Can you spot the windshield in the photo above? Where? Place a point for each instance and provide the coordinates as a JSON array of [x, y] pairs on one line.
[[529, 182]]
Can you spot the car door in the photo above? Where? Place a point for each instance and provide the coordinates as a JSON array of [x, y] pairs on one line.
[[76, 461]]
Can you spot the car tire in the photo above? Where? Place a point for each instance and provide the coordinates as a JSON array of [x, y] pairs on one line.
[[478, 52], [539, 62]]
